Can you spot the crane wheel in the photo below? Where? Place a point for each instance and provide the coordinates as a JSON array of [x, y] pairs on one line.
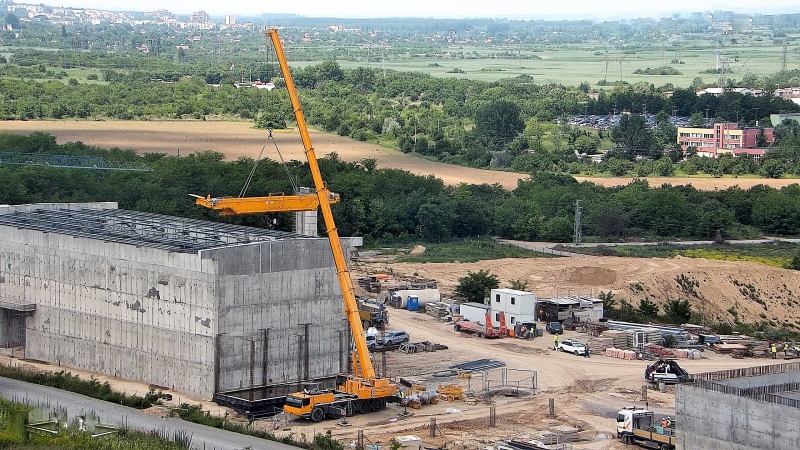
[[626, 440], [363, 406], [336, 413], [317, 414], [365, 324], [378, 404], [350, 409]]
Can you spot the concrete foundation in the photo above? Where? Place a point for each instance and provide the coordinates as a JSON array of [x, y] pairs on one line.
[[266, 309], [720, 415]]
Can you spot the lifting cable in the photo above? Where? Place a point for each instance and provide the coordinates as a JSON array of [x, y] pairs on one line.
[[261, 153]]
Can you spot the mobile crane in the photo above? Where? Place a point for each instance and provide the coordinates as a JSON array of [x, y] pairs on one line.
[[361, 391]]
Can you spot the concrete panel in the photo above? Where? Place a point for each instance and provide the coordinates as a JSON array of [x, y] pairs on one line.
[[714, 420], [295, 285]]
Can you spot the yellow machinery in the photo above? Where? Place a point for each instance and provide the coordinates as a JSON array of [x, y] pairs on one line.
[[232, 206], [362, 391], [451, 392]]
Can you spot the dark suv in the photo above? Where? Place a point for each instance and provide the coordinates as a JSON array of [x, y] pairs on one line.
[[555, 328]]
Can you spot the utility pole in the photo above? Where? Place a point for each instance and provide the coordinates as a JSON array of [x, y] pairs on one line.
[[578, 235], [783, 58]]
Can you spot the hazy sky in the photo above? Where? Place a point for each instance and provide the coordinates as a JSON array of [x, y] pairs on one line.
[[445, 8]]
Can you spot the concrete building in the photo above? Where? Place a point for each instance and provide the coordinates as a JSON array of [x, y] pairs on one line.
[[199, 17], [724, 138], [777, 119], [195, 306], [739, 409]]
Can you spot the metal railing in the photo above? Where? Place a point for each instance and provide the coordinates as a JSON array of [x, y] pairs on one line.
[[69, 161], [745, 372], [769, 393]]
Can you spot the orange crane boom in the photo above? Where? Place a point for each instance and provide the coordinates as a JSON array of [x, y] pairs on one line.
[[360, 392], [346, 283]]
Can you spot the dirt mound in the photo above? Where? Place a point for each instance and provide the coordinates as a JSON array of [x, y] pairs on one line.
[[591, 276], [417, 250], [720, 291]]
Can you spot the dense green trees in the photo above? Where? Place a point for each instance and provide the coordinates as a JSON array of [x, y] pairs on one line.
[[475, 287], [390, 205]]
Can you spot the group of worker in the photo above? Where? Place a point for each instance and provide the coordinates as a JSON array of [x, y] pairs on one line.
[[667, 422], [773, 349]]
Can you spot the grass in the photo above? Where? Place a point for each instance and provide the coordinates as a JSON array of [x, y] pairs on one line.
[[14, 435], [468, 251], [776, 255], [572, 64], [195, 414]]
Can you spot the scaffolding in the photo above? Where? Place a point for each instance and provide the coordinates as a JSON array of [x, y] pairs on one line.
[[70, 162], [142, 229]]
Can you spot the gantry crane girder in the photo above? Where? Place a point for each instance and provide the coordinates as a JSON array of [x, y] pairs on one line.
[[233, 206]]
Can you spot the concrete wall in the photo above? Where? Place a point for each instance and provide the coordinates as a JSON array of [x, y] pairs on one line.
[[221, 319], [136, 313], [713, 420], [279, 302]]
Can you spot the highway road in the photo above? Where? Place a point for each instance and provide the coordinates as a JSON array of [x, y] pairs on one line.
[[203, 437]]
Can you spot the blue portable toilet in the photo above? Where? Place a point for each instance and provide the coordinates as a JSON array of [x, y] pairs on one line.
[[413, 303]]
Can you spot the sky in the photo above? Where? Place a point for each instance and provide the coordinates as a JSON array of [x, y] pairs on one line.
[[516, 9]]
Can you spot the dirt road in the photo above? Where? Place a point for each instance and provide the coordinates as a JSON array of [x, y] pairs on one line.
[[236, 139], [587, 391]]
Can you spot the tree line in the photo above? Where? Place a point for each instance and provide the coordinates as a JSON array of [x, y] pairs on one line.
[[391, 205]]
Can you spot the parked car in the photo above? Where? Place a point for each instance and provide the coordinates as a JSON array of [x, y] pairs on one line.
[[555, 328], [372, 341], [573, 347], [393, 338]]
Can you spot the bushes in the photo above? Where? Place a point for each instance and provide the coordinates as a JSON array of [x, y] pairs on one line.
[[90, 388]]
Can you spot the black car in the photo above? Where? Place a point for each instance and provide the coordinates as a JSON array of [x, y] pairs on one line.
[[555, 328]]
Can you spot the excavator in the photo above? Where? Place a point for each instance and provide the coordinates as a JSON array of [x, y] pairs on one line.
[[360, 391]]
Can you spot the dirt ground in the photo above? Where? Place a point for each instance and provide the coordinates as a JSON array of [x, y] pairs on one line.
[[236, 139], [587, 391]]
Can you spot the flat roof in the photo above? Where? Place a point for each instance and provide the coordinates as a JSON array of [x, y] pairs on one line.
[[569, 300], [141, 229], [17, 305]]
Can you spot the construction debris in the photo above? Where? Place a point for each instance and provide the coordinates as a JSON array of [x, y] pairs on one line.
[[419, 347]]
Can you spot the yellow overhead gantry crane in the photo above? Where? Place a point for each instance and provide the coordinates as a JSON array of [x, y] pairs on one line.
[[233, 206], [361, 391]]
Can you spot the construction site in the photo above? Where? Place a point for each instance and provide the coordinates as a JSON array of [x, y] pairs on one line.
[[297, 335]]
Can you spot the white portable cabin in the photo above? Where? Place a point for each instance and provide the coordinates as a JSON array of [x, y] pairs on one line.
[[519, 306], [474, 312]]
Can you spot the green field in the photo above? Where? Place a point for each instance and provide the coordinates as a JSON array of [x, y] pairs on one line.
[[776, 255], [572, 66]]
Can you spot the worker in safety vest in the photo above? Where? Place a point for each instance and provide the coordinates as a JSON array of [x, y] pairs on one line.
[[774, 351], [555, 342], [785, 348]]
